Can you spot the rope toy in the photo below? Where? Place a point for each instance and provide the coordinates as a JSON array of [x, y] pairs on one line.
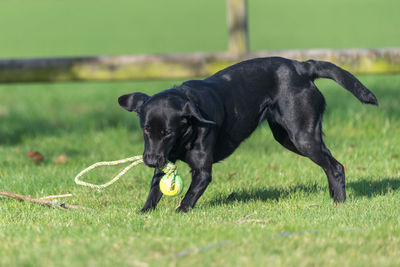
[[171, 184]]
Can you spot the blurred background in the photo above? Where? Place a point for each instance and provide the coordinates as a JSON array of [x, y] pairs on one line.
[[47, 28], [72, 124], [43, 115]]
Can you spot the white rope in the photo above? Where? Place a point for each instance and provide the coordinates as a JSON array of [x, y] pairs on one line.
[[136, 160]]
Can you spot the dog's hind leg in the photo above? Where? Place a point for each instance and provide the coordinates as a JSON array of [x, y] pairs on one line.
[[282, 136], [312, 146], [302, 122]]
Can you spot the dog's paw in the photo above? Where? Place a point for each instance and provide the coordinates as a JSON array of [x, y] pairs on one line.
[[182, 208], [339, 197], [146, 209]]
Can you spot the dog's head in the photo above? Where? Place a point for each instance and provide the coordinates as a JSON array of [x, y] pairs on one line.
[[165, 118]]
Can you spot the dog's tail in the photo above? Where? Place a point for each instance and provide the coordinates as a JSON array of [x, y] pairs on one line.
[[323, 69]]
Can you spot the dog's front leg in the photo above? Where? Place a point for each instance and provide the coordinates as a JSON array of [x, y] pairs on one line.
[[155, 193], [200, 180]]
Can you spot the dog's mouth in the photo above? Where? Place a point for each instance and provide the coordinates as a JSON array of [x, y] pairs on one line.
[[154, 160]]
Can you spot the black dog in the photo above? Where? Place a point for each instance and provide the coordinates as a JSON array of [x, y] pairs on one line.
[[203, 121]]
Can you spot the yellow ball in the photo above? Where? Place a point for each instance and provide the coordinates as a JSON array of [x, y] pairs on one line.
[[166, 185]]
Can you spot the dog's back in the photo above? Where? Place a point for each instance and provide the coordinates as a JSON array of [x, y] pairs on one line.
[[243, 95]]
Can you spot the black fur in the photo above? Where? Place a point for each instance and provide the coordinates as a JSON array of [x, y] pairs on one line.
[[203, 121]]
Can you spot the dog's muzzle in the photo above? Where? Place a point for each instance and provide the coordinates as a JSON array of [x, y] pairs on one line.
[[154, 160]]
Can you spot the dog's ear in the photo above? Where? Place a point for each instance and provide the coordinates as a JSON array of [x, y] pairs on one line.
[[190, 110], [132, 102]]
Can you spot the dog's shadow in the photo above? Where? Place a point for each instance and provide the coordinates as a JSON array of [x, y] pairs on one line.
[[368, 188], [361, 188]]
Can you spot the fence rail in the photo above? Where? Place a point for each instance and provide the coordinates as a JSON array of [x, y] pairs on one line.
[[171, 66]]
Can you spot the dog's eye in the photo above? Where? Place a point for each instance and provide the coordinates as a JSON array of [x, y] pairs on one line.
[[146, 129], [185, 120], [166, 132]]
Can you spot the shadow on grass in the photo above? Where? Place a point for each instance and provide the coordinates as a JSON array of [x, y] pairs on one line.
[[362, 188], [264, 194], [15, 128], [368, 188]]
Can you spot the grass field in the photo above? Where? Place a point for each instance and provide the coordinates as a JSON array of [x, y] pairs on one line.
[[44, 28], [290, 219]]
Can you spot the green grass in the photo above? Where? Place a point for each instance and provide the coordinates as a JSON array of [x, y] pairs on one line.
[[301, 225], [44, 28], [295, 223]]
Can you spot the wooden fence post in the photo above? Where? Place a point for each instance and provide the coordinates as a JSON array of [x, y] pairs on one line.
[[237, 26]]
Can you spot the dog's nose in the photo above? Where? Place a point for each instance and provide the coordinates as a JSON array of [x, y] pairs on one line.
[[154, 160]]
